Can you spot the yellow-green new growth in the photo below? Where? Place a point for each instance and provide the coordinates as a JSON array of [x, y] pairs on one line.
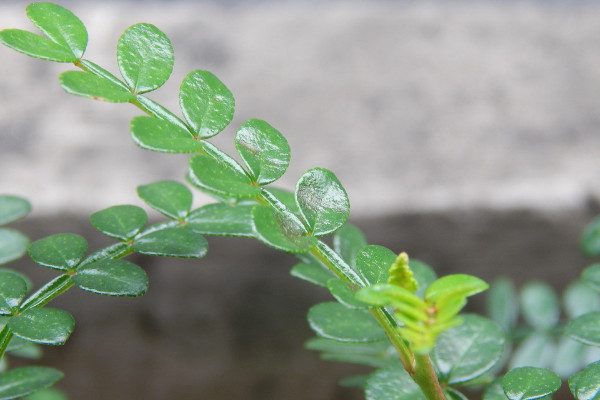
[[401, 275]]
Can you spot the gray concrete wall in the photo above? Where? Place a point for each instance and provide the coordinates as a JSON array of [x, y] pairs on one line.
[[464, 132]]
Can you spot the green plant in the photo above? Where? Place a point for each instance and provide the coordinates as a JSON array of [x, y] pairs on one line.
[[390, 312]]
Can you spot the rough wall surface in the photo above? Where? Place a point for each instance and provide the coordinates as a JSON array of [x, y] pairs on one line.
[[465, 134]]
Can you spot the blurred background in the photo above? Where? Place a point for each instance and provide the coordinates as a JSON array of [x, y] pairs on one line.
[[466, 133]]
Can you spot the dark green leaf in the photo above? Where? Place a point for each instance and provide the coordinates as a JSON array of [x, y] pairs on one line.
[[264, 150], [13, 244], [392, 383], [92, 86], [25, 380], [342, 293], [424, 275], [585, 328], [12, 208], [60, 25], [220, 179], [172, 242], [286, 197], [579, 299], [62, 251], [13, 289], [322, 200], [335, 321], [494, 391], [222, 220], [467, 351], [20, 275], [281, 231], [586, 384], [159, 135], [530, 383], [122, 222], [539, 305], [591, 276], [536, 350], [373, 263], [502, 304], [43, 325], [206, 103], [36, 46], [48, 291], [313, 273], [113, 278], [590, 241], [347, 242], [173, 199], [145, 57]]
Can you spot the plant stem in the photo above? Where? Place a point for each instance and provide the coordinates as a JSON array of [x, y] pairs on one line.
[[425, 376], [5, 336]]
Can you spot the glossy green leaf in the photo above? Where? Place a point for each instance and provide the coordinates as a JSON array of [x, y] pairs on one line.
[[424, 275], [22, 381], [20, 275], [62, 251], [13, 244], [530, 383], [347, 242], [392, 383], [585, 385], [222, 220], [536, 350], [220, 179], [48, 291], [158, 135], [145, 57], [281, 231], [97, 70], [373, 263], [502, 304], [494, 391], [36, 46], [12, 208], [585, 328], [591, 276], [170, 198], [322, 200], [113, 278], [539, 305], [94, 87], [342, 293], [313, 273], [43, 325], [579, 299], [454, 286], [121, 222], [264, 150], [172, 242], [286, 197], [335, 321], [158, 111], [374, 354], [206, 103], [13, 289], [60, 25], [469, 350], [590, 241]]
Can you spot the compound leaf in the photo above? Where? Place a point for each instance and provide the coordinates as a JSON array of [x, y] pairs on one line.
[[170, 198], [222, 220], [62, 251], [12, 208], [145, 57], [43, 325], [94, 87], [22, 381], [281, 231], [527, 383], [113, 278], [335, 321], [122, 222], [206, 103], [164, 136], [172, 242], [35, 46]]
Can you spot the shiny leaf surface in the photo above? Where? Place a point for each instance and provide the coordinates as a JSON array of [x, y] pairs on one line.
[[206, 103], [280, 231], [94, 87], [122, 222], [494, 391], [264, 150], [13, 289], [392, 383], [62, 251], [12, 208], [170, 198], [36, 46], [373, 263], [222, 220], [342, 293], [159, 135], [172, 242], [467, 351], [113, 278], [22, 381], [585, 385], [527, 383], [43, 325], [335, 321], [585, 328], [322, 201], [13, 244], [145, 57], [347, 242]]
